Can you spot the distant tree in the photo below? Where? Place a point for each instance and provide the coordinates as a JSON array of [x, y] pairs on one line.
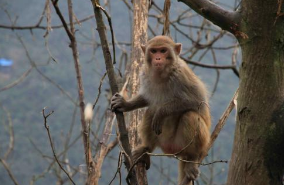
[[257, 157]]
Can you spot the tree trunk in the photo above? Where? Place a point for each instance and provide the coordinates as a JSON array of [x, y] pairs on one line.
[[139, 33], [257, 157]]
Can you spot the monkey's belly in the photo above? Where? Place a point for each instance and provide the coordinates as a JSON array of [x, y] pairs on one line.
[[170, 148], [171, 139]]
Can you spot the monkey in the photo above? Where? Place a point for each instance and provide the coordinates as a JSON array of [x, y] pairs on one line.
[[177, 118]]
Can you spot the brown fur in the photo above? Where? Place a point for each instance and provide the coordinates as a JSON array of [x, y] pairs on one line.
[[178, 116]]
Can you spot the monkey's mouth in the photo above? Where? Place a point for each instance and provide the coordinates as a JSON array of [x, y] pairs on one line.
[[158, 66]]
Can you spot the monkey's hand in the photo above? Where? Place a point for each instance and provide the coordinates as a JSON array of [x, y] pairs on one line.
[[118, 103], [157, 123], [139, 155]]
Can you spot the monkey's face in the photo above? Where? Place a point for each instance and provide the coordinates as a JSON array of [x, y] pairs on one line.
[[159, 58], [161, 52]]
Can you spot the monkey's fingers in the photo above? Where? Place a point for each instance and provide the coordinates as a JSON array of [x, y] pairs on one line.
[[192, 173], [116, 107], [157, 127], [146, 160], [185, 181], [114, 104], [117, 95]]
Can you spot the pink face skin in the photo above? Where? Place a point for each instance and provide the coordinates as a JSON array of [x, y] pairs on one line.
[[159, 58]]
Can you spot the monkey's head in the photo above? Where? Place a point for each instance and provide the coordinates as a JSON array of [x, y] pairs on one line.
[[160, 52]]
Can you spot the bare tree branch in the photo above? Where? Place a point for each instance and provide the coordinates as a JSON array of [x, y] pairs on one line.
[[123, 133], [19, 80], [166, 29], [51, 143], [232, 67], [100, 156], [11, 133], [37, 26], [7, 168], [227, 20], [222, 120]]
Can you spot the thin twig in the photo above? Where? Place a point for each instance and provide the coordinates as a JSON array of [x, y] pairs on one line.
[[174, 156], [7, 168], [51, 143], [99, 88], [118, 169], [19, 80], [37, 26], [208, 65], [69, 33], [34, 65], [222, 120]]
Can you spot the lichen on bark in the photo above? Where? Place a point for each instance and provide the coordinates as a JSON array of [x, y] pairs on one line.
[[274, 146]]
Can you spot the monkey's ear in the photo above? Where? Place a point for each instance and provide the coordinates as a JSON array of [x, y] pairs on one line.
[[178, 48], [143, 47]]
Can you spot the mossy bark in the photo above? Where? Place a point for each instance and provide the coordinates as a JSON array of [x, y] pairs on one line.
[[257, 157]]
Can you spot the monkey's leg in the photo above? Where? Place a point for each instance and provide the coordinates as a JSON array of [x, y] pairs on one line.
[[188, 171], [195, 135], [181, 173], [148, 138]]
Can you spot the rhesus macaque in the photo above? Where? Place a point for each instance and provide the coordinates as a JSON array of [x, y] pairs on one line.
[[177, 118]]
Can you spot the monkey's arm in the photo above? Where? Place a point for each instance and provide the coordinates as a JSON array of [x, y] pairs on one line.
[[176, 107], [118, 103]]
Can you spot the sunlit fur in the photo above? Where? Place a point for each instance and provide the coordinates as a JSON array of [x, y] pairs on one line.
[[178, 98]]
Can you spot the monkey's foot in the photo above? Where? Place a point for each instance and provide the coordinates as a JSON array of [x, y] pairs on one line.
[[191, 171], [139, 155]]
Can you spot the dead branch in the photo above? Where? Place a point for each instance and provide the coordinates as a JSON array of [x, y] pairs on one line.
[[118, 171], [34, 65], [111, 30], [19, 80], [51, 143], [166, 29], [222, 121], [7, 168], [123, 133], [99, 88], [232, 67], [88, 152], [225, 19], [100, 156], [174, 156], [11, 133]]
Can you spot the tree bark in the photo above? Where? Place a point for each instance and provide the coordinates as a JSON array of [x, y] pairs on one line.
[[123, 133], [139, 32], [227, 20], [257, 157]]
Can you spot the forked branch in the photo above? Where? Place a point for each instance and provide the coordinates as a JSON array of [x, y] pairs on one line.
[[225, 19]]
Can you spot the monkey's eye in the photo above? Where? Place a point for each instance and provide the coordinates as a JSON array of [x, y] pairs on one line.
[[153, 51], [163, 50]]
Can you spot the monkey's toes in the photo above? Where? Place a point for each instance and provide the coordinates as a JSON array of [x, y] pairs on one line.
[[139, 155], [192, 173]]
